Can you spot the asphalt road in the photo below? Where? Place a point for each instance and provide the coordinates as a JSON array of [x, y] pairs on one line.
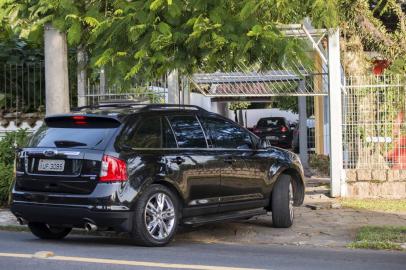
[[88, 252]]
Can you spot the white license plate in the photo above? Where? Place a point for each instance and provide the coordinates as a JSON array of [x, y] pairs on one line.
[[51, 165], [273, 138]]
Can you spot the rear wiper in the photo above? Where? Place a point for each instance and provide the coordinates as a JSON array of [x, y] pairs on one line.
[[63, 143]]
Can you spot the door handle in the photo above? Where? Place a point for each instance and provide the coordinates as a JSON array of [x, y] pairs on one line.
[[178, 160], [229, 160]]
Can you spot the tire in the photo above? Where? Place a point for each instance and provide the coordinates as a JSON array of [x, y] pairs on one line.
[[282, 202], [151, 226], [44, 231]]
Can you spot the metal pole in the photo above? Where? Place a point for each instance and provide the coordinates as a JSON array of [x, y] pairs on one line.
[[304, 154], [335, 112]]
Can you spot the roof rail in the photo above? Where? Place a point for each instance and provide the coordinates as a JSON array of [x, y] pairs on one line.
[[109, 105], [163, 106], [144, 107]]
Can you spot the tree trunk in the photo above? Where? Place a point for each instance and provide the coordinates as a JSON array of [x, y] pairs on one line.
[[56, 71], [81, 74]]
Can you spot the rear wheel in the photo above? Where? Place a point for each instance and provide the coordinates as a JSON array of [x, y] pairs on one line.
[[156, 216], [282, 202], [45, 231]]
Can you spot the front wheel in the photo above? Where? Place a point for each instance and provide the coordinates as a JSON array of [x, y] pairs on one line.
[[45, 231], [282, 202], [156, 216]]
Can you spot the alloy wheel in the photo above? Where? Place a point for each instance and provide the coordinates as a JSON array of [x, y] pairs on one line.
[[159, 216]]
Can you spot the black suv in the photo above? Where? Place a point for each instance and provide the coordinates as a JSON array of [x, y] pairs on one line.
[[145, 169], [276, 130]]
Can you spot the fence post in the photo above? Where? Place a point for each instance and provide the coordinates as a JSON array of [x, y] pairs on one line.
[[335, 112], [303, 150], [56, 71]]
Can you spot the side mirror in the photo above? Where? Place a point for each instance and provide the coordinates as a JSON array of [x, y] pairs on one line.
[[264, 143]]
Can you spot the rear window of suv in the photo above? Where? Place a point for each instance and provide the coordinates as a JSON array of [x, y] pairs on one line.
[[64, 133], [271, 122]]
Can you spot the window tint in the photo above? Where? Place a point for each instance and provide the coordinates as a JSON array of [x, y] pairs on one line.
[[168, 140], [188, 131], [271, 122], [145, 134], [71, 137], [225, 134]]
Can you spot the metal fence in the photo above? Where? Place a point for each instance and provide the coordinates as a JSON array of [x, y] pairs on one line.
[[138, 90], [374, 123], [22, 87]]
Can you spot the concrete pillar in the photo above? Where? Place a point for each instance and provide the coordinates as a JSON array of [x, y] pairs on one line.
[[56, 71], [81, 74], [336, 135], [304, 155], [173, 87]]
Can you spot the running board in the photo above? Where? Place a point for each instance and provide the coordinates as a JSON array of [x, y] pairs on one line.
[[224, 216]]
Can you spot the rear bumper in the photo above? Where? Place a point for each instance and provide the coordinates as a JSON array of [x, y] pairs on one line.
[[74, 216], [284, 142]]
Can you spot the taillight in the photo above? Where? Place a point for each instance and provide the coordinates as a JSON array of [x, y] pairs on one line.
[[284, 129], [113, 170], [79, 119], [256, 130]]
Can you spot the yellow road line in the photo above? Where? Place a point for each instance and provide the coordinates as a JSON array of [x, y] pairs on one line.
[[128, 263]]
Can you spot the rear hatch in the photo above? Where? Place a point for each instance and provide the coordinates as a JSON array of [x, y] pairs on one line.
[[271, 127], [65, 154]]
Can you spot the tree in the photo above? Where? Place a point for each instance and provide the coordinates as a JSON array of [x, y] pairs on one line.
[[373, 25], [148, 38]]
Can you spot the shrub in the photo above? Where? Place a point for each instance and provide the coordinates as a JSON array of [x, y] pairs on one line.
[[321, 163], [8, 147]]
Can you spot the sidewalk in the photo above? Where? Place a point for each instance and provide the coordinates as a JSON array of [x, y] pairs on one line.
[[316, 224]]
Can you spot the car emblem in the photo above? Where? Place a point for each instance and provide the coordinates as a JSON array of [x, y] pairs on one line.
[[50, 153]]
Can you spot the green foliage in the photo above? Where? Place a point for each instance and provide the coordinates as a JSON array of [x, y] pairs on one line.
[[321, 163], [239, 105], [376, 237], [8, 146], [148, 38], [7, 178], [385, 205], [381, 26], [199, 35]]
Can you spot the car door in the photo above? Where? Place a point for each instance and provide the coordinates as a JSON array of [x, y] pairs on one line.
[[243, 179], [193, 165]]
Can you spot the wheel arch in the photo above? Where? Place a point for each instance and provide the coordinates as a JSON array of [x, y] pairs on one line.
[[172, 188], [298, 185]]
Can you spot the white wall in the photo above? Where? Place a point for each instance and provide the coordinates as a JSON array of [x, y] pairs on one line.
[[13, 127]]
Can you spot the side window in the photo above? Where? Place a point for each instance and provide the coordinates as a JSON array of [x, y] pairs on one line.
[[147, 133], [188, 131], [168, 139], [225, 134]]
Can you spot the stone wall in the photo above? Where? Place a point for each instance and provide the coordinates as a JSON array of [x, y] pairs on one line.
[[366, 183]]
